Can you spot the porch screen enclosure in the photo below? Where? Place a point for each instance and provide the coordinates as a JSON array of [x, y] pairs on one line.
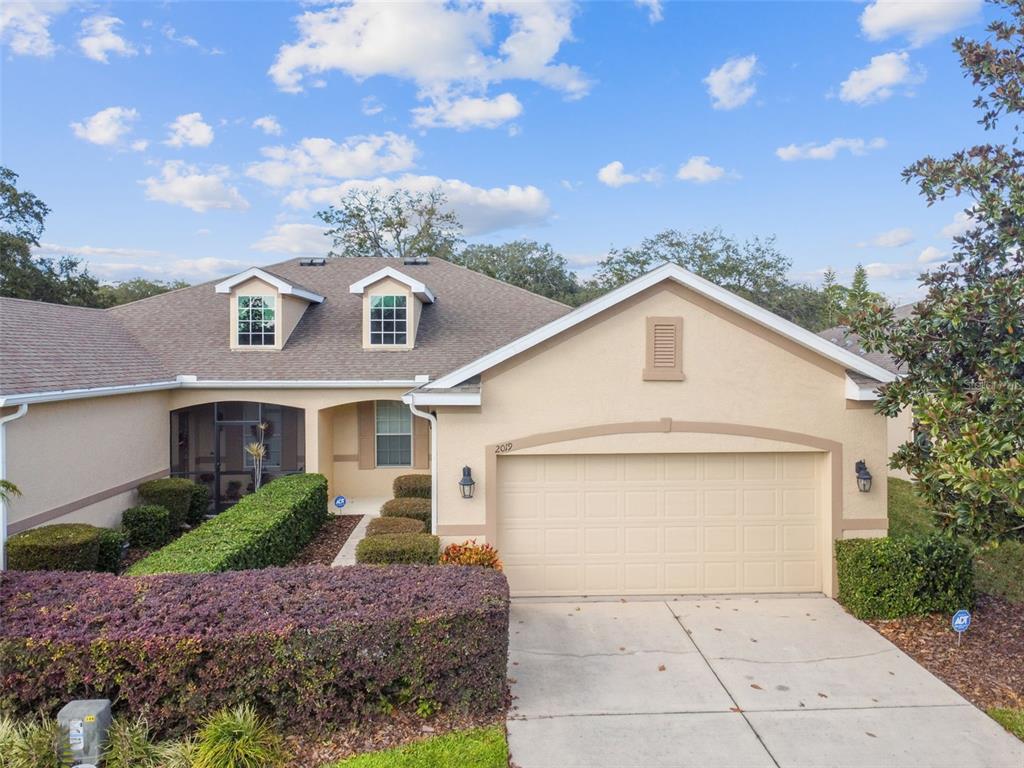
[[208, 446]]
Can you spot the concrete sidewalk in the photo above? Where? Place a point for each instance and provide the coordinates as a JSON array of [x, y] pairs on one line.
[[744, 681]]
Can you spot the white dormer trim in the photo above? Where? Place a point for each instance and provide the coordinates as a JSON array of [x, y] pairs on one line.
[[283, 286], [419, 289], [699, 285]]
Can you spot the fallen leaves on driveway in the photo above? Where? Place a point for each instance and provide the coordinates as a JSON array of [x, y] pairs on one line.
[[987, 667]]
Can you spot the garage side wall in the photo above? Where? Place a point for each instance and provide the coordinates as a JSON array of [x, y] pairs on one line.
[[736, 373]]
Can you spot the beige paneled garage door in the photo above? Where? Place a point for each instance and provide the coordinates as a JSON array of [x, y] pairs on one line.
[[665, 523]]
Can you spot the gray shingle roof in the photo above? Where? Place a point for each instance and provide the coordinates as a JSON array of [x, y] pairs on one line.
[[46, 347], [843, 337]]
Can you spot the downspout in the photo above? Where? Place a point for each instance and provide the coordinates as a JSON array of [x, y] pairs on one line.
[[433, 457], [22, 410]]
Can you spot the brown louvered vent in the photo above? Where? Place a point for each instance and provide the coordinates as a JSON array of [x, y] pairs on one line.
[[664, 358]]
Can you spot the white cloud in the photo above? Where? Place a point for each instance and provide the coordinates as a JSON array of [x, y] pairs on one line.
[[183, 184], [731, 85], [892, 238], [294, 239], [930, 255], [99, 38], [961, 224], [614, 175], [107, 127], [468, 112], [470, 46], [876, 81], [190, 130], [187, 40], [813, 151], [570, 186], [140, 145], [654, 10], [316, 161], [370, 106], [891, 270], [268, 124], [480, 210], [699, 169], [88, 252], [919, 20], [25, 26]]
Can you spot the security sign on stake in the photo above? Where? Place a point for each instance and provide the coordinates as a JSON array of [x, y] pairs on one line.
[[961, 621]]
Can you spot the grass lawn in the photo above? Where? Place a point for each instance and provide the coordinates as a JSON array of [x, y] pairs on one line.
[[1011, 719], [998, 571], [479, 748]]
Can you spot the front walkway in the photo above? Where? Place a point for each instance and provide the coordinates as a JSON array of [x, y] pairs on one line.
[[369, 508], [742, 681]]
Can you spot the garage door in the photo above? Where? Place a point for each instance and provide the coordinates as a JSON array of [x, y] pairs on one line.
[[661, 523]]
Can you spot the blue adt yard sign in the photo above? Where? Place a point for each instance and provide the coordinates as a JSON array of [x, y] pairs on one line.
[[961, 621], [340, 502]]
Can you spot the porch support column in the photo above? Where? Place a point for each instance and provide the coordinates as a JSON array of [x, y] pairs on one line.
[[320, 444]]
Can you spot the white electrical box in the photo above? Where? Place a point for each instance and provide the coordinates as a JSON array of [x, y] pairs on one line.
[[83, 725]]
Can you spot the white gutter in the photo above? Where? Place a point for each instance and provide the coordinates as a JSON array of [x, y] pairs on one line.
[[77, 394], [409, 399], [22, 410]]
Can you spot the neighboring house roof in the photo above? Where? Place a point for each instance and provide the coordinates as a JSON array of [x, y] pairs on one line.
[[842, 336], [684, 277], [46, 347]]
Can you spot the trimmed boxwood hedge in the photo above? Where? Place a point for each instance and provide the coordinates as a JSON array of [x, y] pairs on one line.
[[415, 508], [111, 549], [147, 526], [398, 548], [60, 547], [265, 528], [199, 504], [380, 525], [888, 578], [411, 487], [173, 494], [311, 647]]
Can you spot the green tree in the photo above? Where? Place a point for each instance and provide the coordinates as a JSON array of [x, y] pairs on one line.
[[963, 347], [834, 298], [859, 295], [526, 263], [755, 269], [399, 224], [23, 276], [126, 291]]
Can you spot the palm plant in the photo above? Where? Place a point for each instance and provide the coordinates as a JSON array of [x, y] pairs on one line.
[[8, 491], [257, 451]]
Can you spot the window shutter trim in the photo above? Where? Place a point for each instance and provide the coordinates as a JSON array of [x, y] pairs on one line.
[[366, 420]]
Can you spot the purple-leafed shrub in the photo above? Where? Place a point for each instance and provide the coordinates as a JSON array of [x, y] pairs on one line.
[[309, 647]]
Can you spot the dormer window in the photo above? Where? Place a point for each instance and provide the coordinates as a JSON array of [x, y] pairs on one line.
[[388, 320], [256, 321]]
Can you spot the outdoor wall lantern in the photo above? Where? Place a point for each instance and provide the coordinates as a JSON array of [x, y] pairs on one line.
[[467, 484], [863, 477]]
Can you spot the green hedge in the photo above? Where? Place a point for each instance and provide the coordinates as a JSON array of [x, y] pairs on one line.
[[60, 547], [265, 528], [892, 577], [199, 504], [147, 526], [173, 494], [381, 525], [111, 550], [411, 487], [398, 549], [417, 509]]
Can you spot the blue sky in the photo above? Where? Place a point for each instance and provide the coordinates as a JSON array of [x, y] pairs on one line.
[[195, 139]]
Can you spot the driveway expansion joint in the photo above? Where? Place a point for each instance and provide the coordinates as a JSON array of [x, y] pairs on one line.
[[804, 661]]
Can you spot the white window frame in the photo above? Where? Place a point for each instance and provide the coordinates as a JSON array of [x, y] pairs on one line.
[[377, 434], [272, 299], [404, 321]]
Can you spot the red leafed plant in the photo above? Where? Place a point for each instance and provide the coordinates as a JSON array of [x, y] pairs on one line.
[[471, 553]]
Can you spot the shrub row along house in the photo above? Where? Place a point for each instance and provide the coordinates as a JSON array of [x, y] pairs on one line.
[[668, 437]]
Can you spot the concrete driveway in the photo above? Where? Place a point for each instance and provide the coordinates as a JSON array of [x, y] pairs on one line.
[[730, 681]]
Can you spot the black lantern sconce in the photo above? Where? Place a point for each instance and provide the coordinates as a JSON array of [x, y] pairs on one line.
[[467, 484], [863, 476]]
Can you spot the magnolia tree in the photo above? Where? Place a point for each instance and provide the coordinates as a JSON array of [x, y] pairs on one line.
[[963, 348]]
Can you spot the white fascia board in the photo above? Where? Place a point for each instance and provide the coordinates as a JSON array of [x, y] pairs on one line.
[[860, 392], [418, 287], [699, 285], [286, 288], [80, 394], [421, 397]]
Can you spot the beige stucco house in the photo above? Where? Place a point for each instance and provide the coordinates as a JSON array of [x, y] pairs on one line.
[[668, 437]]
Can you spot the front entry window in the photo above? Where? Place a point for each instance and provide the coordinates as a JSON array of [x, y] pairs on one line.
[[394, 434]]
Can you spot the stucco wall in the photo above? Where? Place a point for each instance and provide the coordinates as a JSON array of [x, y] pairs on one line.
[[61, 454], [736, 373], [900, 431]]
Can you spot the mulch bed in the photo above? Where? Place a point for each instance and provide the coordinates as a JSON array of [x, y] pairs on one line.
[[987, 668], [383, 733], [328, 541]]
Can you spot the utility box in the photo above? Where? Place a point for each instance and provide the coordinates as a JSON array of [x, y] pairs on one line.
[[83, 726]]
